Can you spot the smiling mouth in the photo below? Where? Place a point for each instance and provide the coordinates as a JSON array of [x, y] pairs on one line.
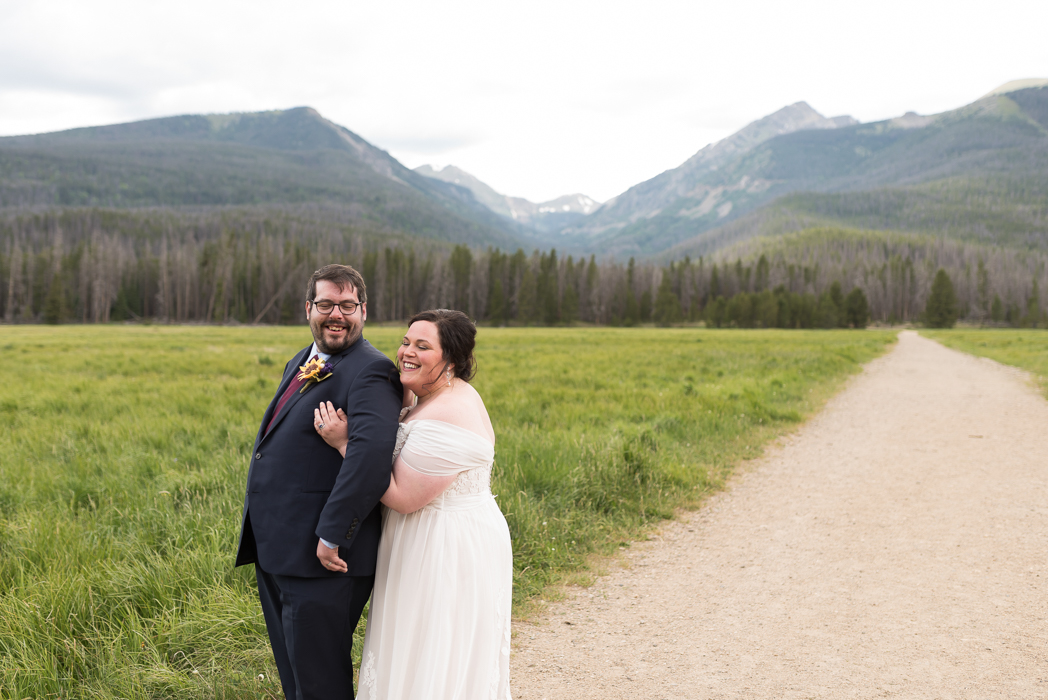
[[409, 365], [334, 328]]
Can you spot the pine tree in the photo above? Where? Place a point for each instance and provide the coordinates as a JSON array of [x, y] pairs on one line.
[[996, 309], [1011, 313], [763, 274], [765, 309], [461, 269], [497, 303], [941, 311], [589, 305], [54, 303], [527, 299], [716, 313], [569, 305], [632, 315], [837, 297], [667, 304], [645, 306], [742, 310], [1033, 307], [857, 308], [825, 312], [983, 287], [548, 288]]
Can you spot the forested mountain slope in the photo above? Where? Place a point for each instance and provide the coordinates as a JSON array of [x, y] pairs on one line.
[[289, 157], [979, 171], [994, 211]]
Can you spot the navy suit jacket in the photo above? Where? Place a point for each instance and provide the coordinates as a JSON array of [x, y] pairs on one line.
[[300, 489]]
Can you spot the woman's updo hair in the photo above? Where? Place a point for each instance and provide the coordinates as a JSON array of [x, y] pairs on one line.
[[458, 337]]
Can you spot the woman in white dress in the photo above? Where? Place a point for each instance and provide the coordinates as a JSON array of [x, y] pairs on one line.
[[439, 622]]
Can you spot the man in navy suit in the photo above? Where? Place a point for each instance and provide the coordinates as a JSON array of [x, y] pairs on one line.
[[311, 521]]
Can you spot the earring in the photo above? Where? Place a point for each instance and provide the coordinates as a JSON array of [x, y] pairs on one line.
[[449, 377]]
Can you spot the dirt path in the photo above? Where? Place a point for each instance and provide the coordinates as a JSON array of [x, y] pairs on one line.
[[894, 547]]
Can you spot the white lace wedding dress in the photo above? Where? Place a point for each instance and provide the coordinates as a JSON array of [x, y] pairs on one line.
[[438, 626]]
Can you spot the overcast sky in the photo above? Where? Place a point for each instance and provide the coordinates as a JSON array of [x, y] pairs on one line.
[[536, 98]]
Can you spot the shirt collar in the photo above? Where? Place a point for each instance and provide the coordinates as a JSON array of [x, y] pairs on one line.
[[316, 351]]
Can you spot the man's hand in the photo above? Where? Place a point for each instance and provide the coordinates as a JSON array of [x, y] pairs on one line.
[[329, 558]]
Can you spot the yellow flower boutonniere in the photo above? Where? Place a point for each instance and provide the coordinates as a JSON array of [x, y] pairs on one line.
[[314, 372]]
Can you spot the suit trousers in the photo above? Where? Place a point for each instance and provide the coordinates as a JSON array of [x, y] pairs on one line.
[[310, 623]]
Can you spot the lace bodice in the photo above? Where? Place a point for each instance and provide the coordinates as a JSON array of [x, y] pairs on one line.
[[471, 481], [476, 480], [402, 436]]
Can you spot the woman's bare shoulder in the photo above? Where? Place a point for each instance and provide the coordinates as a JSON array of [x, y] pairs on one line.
[[462, 407]]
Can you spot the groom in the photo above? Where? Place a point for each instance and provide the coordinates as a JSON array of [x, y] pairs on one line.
[[311, 523]]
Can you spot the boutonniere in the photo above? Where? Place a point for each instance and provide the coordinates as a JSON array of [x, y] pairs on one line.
[[314, 372]]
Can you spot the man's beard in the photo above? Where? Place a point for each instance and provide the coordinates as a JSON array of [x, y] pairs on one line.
[[353, 332]]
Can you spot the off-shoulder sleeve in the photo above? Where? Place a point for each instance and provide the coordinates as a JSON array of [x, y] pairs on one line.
[[436, 448]]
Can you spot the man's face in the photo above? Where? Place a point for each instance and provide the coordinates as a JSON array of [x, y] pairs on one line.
[[335, 331]]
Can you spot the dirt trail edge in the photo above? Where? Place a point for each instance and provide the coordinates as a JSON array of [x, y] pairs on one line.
[[895, 546]]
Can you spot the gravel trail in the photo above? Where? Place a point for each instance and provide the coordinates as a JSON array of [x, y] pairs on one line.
[[894, 546]]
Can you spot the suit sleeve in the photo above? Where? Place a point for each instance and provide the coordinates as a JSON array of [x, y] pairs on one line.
[[372, 411]]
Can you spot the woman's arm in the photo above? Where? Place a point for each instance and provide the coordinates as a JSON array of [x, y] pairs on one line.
[[409, 490]]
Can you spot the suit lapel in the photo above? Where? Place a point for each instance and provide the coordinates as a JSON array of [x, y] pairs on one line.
[[335, 359], [297, 396], [299, 360]]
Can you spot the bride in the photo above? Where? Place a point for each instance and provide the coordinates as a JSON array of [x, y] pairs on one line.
[[439, 622]]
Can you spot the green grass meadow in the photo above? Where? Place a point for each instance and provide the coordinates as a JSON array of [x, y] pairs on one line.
[[124, 452], [1026, 349]]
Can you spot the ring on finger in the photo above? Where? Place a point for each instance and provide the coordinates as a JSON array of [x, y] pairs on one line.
[[320, 425]]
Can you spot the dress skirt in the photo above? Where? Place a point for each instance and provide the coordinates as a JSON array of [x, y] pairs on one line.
[[439, 622]]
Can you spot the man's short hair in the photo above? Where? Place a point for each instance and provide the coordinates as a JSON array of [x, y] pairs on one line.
[[342, 276]]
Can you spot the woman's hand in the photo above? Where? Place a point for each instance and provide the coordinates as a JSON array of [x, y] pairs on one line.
[[332, 426]]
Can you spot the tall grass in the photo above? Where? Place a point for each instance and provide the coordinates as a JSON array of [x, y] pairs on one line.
[[124, 450], [1026, 349]]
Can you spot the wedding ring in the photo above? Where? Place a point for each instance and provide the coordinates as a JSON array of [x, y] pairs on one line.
[[321, 426]]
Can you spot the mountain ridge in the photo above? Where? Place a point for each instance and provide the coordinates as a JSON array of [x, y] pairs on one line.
[[1001, 137], [648, 198], [546, 217], [288, 157]]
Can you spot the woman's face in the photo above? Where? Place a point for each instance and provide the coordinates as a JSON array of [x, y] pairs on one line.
[[421, 358]]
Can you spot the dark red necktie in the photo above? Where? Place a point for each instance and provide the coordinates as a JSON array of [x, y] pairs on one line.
[[295, 385]]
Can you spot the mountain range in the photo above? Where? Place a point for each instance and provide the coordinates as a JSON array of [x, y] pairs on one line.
[[980, 171], [977, 172], [546, 217]]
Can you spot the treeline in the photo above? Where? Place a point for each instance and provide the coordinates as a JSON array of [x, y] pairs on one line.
[[98, 266], [213, 265], [993, 285]]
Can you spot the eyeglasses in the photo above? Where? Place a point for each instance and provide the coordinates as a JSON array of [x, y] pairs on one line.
[[346, 307]]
